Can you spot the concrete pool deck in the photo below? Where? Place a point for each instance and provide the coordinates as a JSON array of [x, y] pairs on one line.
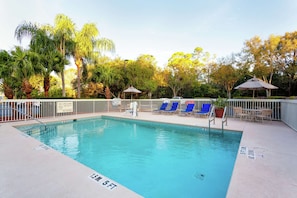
[[30, 169]]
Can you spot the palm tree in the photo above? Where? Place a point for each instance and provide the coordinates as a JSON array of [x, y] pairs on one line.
[[23, 64], [50, 58], [55, 62], [26, 29], [63, 33], [41, 45], [87, 47]]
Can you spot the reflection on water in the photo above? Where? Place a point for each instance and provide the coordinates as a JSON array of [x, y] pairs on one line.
[[149, 158]]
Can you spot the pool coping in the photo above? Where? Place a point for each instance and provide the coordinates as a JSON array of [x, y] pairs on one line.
[[271, 173]]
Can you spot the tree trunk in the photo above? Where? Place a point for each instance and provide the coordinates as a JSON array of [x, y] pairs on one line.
[[107, 93], [78, 82], [62, 50], [268, 91], [174, 91], [78, 63], [229, 94], [46, 85], [63, 83], [291, 80], [27, 88], [8, 92]]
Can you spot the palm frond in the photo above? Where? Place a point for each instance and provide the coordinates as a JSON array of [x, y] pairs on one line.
[[25, 29]]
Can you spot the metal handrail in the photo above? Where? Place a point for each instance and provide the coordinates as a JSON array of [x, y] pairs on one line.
[[211, 118], [31, 117], [224, 119]]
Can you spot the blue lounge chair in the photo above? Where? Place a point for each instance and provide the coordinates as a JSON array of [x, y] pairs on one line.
[[173, 108], [205, 110], [162, 108], [189, 109]]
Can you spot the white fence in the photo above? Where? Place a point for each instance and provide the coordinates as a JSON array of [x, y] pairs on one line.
[[275, 105], [14, 110]]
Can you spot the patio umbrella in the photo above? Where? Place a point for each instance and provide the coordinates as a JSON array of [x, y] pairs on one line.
[[131, 90], [255, 84]]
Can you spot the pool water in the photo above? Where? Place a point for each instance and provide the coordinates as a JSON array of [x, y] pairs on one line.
[[152, 159]]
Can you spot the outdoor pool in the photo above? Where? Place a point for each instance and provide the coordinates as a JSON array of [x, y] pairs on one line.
[[153, 159]]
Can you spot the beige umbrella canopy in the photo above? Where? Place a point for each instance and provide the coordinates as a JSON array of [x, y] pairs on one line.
[[255, 84], [131, 90]]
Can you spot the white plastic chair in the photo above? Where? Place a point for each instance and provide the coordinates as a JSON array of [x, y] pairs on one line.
[[265, 114], [238, 113]]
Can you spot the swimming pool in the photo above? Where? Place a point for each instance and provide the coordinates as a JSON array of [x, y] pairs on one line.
[[152, 159]]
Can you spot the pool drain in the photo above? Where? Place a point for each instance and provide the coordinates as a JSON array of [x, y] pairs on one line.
[[200, 176]]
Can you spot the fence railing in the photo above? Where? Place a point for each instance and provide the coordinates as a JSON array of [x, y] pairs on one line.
[[14, 110], [18, 109], [275, 105]]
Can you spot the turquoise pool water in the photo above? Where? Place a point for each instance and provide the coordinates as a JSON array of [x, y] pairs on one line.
[[152, 159]]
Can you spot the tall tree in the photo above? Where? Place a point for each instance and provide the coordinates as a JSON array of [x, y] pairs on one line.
[[202, 61], [226, 76], [49, 57], [288, 50], [87, 46], [44, 46], [181, 72], [107, 75], [265, 56], [142, 74], [63, 33]]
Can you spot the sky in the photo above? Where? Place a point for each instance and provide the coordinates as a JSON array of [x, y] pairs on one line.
[[159, 27]]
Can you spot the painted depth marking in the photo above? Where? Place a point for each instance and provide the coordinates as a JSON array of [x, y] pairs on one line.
[[243, 150], [106, 183], [251, 154]]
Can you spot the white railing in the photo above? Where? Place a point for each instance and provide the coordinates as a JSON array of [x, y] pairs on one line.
[[13, 110], [275, 105]]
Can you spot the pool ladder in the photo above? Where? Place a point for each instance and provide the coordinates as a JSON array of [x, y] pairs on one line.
[[31, 117], [224, 119], [212, 118]]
